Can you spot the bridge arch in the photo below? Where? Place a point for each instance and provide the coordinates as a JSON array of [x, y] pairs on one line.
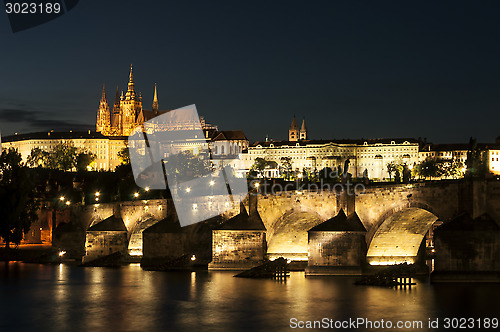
[[400, 206], [136, 236], [399, 234], [288, 238]]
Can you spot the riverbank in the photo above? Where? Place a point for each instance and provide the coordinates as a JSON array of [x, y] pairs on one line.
[[37, 253]]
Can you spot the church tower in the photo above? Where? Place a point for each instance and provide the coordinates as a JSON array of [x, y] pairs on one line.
[[303, 130], [130, 107], [103, 124], [116, 117], [293, 132], [155, 103]]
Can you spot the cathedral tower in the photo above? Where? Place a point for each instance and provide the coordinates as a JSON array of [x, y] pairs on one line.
[[130, 107], [303, 130], [155, 103], [116, 117], [293, 132], [103, 124]]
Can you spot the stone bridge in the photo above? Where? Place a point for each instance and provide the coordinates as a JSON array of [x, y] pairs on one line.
[[396, 216]]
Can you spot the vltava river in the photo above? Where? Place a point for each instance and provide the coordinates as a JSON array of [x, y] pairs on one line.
[[67, 298]]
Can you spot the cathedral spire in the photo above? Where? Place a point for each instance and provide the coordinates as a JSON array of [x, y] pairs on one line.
[[303, 127], [103, 97], [116, 106], [103, 116], [294, 126], [293, 131], [131, 89], [303, 130], [155, 101]]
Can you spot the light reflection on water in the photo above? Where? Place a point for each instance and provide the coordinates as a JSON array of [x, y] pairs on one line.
[[65, 298]]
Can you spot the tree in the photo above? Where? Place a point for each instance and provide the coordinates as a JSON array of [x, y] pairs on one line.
[[428, 168], [286, 166], [124, 156], [328, 174], [476, 160], [64, 156], [18, 206], [186, 166], [452, 169], [392, 167], [257, 169], [84, 160], [38, 158]]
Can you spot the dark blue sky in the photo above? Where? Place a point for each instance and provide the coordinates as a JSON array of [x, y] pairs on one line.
[[354, 69]]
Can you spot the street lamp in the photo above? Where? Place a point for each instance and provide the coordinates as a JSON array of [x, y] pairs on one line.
[[136, 194], [62, 198], [212, 182], [188, 189], [68, 203], [97, 193], [147, 188]]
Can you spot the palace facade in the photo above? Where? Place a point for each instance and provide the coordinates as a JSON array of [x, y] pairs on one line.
[[367, 157]]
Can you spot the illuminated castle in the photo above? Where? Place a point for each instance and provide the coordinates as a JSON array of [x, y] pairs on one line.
[[128, 113]]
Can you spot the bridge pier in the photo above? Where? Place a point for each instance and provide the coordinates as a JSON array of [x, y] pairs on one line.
[[337, 246]]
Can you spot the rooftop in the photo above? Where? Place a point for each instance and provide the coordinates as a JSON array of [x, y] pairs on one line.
[[361, 141], [60, 135]]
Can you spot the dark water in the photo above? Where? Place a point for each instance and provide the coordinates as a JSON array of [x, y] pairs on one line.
[[65, 298]]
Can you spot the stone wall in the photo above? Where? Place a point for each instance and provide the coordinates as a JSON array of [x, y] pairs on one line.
[[336, 253], [160, 247], [232, 249], [102, 243], [467, 251], [491, 197], [328, 248]]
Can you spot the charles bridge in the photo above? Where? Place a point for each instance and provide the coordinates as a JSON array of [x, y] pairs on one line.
[[396, 217]]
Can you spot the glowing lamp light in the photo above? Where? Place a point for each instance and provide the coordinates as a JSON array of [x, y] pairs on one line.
[[193, 258], [97, 193], [147, 188], [300, 176], [136, 194], [212, 182], [257, 185], [188, 189], [97, 199], [68, 202], [62, 198], [62, 253]]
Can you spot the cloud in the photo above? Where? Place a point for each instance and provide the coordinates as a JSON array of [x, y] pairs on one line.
[[38, 121]]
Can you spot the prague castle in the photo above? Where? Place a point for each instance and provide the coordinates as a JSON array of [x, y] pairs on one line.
[[114, 125], [367, 157]]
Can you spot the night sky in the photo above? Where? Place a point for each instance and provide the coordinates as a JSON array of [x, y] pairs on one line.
[[354, 69]]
